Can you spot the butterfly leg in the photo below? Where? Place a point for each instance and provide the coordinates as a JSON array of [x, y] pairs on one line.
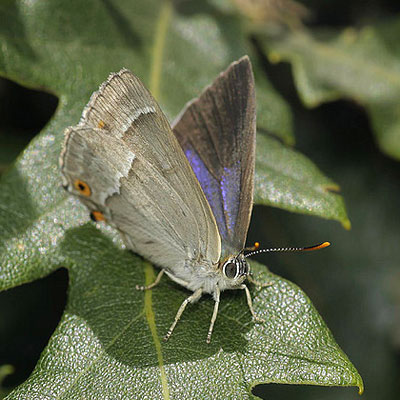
[[155, 283], [215, 312], [259, 284], [191, 299], [250, 304]]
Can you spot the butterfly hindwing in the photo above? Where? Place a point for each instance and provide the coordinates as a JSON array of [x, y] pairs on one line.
[[138, 176]]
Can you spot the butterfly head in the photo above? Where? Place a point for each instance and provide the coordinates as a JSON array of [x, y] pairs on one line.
[[235, 270]]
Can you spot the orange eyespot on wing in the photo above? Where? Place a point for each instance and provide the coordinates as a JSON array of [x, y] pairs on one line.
[[97, 216], [82, 187], [101, 124]]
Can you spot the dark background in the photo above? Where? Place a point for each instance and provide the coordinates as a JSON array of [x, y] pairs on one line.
[[354, 284]]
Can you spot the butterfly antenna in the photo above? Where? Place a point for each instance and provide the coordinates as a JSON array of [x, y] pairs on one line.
[[284, 249]]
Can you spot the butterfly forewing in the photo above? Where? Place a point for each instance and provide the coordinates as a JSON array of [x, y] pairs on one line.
[[125, 152], [217, 133]]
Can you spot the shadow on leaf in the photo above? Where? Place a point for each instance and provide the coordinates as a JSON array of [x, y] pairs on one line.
[[102, 293]]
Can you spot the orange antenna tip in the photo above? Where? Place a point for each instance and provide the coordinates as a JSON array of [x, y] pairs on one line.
[[317, 246]]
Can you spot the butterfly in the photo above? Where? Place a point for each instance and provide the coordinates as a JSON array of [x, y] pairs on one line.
[[181, 197]]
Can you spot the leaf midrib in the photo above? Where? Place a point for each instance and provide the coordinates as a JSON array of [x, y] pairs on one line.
[[154, 86]]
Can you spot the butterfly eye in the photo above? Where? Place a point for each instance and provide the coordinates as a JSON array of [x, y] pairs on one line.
[[82, 187], [230, 270]]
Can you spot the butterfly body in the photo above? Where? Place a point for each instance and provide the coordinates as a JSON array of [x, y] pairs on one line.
[[203, 275]]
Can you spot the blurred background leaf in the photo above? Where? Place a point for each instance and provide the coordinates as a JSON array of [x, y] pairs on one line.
[[360, 64]]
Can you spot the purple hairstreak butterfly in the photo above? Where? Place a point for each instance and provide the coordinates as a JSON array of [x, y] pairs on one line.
[[180, 197]]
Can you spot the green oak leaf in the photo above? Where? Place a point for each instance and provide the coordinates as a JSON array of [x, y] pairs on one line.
[[363, 65], [108, 341], [287, 179]]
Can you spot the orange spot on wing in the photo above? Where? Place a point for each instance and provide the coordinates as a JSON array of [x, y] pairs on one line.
[[97, 216], [82, 187], [101, 124]]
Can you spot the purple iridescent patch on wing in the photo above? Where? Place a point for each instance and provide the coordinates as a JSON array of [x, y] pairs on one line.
[[223, 195], [230, 189], [210, 188]]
